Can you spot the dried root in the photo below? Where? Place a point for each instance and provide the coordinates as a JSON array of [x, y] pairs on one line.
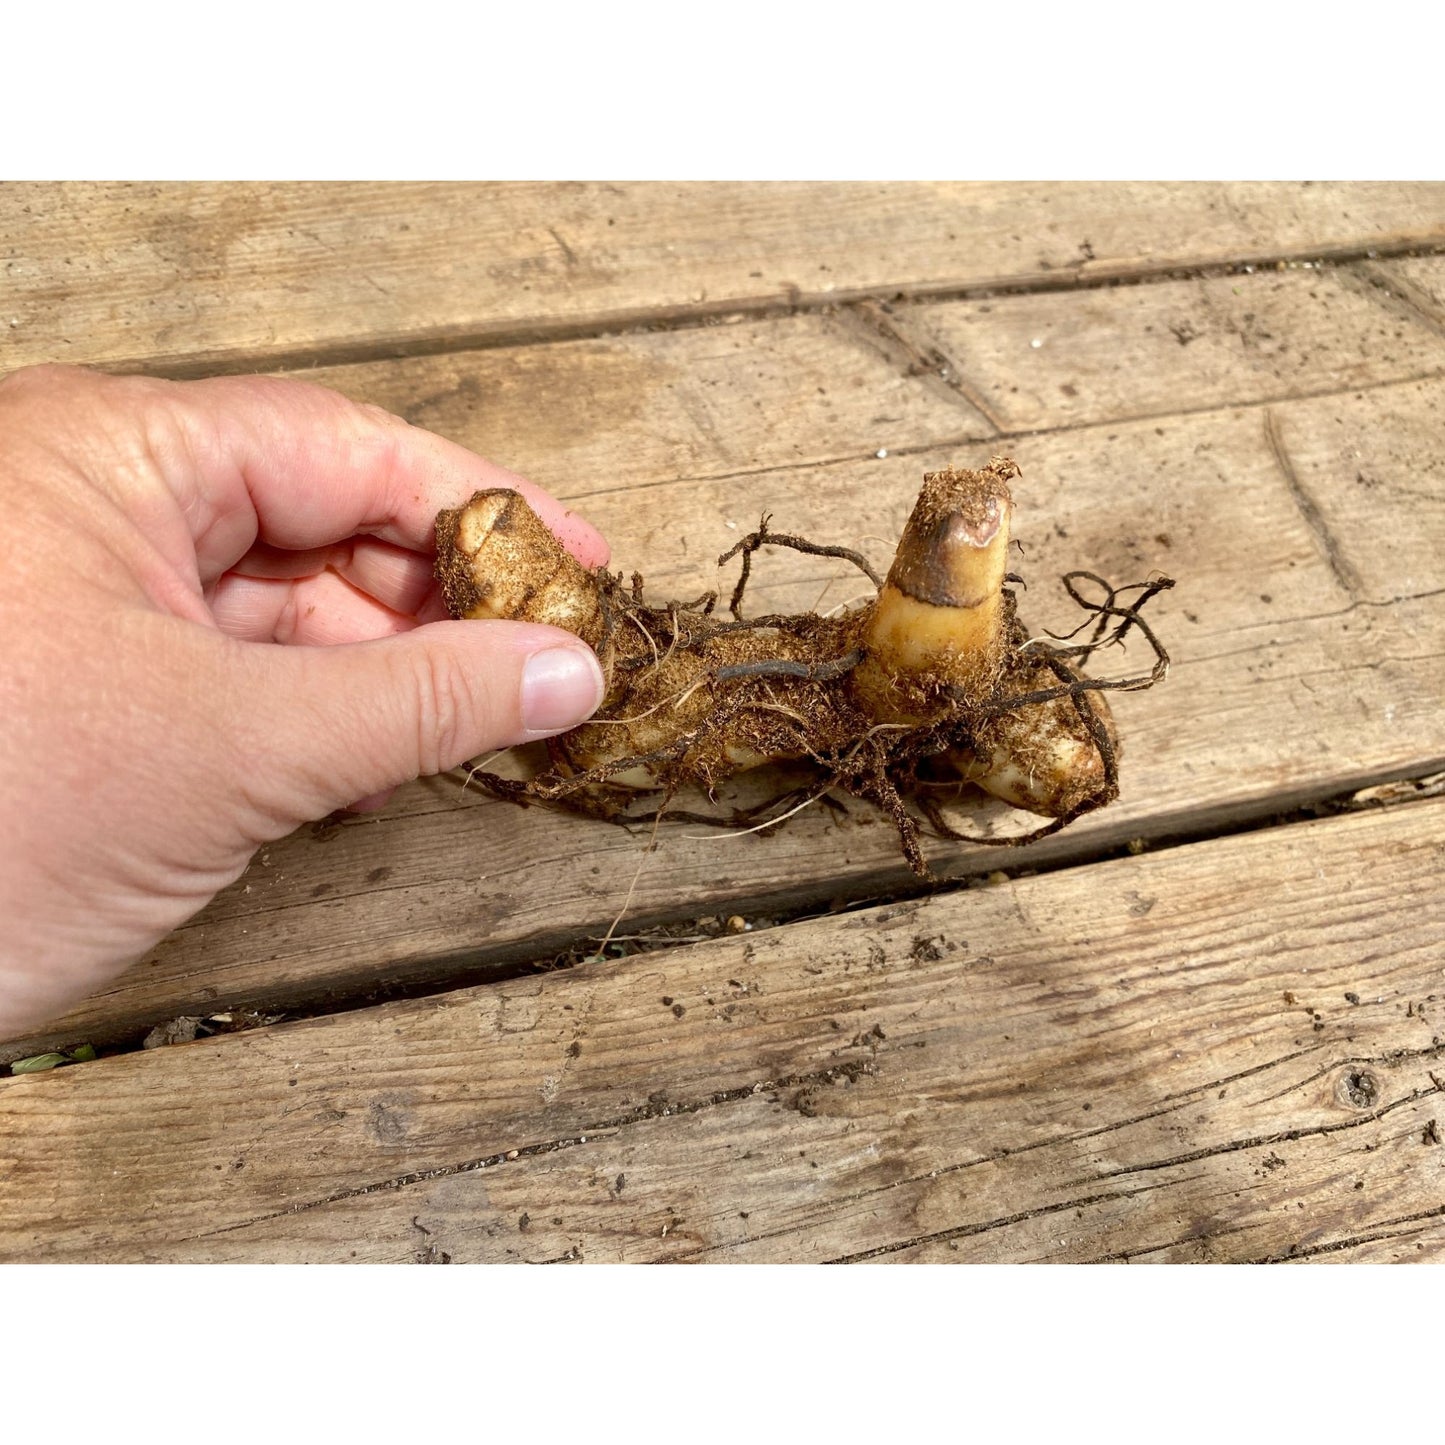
[[931, 685]]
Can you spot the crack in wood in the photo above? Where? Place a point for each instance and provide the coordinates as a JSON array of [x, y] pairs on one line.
[[1385, 1229], [747, 473], [1344, 570], [572, 1256], [922, 358], [963, 1231], [942, 1171], [567, 251], [1390, 1057], [1123, 1256], [981, 1227], [655, 1108], [1275, 624], [1071, 428], [269, 910], [1371, 665], [1259, 1141], [1178, 1100], [1226, 1079], [1395, 293], [1257, 403], [1233, 1146]]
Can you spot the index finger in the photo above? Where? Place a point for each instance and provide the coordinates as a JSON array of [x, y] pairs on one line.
[[298, 466]]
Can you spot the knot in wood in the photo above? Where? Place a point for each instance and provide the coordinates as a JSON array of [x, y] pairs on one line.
[[1358, 1088]]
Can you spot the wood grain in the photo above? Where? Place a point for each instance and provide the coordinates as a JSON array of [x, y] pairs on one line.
[[1417, 286], [1140, 351], [1230, 1050], [726, 401], [1227, 1050], [182, 279], [1308, 631]]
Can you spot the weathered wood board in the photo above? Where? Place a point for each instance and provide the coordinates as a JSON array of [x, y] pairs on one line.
[[189, 278], [1306, 533], [1171, 347], [1224, 1051], [1417, 283], [727, 401]]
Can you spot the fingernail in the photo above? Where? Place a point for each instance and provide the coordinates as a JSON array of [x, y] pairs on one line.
[[561, 687]]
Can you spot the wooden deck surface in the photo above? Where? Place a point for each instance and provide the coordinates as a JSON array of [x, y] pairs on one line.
[[1206, 1023]]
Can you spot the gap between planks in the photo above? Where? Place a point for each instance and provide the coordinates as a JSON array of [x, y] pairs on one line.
[[441, 341], [578, 950]]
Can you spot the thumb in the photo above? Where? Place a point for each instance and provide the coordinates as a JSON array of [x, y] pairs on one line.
[[343, 722]]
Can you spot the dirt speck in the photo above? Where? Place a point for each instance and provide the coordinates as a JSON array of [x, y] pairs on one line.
[[926, 950]]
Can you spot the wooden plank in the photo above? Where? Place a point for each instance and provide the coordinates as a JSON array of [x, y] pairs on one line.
[[183, 279], [1307, 631], [1227, 1050], [750, 395], [649, 408], [1140, 351]]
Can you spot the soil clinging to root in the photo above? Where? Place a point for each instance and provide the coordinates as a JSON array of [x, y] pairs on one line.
[[931, 686]]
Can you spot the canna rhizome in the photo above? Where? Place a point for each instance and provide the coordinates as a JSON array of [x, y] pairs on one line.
[[931, 685]]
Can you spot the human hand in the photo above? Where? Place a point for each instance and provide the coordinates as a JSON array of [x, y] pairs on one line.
[[156, 540]]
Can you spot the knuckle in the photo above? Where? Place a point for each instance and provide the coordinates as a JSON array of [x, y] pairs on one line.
[[379, 416], [63, 381], [381, 433], [48, 377], [280, 394], [65, 406], [447, 723]]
